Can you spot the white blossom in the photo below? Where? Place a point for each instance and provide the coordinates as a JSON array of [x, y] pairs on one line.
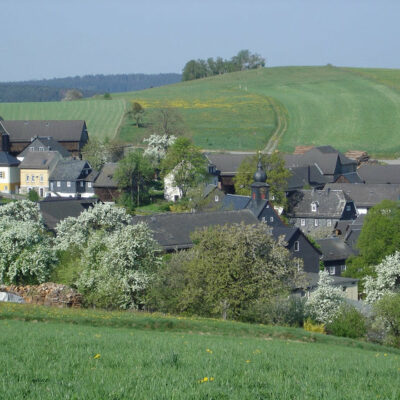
[[24, 210], [324, 302], [387, 279], [157, 146]]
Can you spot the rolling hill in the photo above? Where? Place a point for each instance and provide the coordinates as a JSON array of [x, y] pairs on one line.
[[348, 108]]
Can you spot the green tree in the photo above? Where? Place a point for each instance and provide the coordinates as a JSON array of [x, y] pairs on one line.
[[167, 122], [194, 69], [229, 269], [134, 176], [137, 113], [379, 237], [97, 152], [277, 176], [186, 163]]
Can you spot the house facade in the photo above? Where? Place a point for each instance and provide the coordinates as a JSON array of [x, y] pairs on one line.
[[44, 144], [35, 171], [9, 173], [312, 210]]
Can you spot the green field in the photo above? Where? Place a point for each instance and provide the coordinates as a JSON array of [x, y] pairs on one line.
[[102, 117], [48, 353], [348, 108]]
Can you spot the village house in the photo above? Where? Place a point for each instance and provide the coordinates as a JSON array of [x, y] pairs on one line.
[[366, 196], [312, 210], [375, 173], [35, 171], [44, 144], [72, 135], [68, 179], [9, 173], [105, 186]]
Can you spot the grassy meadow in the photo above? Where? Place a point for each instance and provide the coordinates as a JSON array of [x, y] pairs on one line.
[[50, 353], [349, 108], [102, 117]]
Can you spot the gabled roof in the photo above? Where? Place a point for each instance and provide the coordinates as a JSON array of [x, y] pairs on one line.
[[374, 173], [40, 160], [313, 278], [287, 231], [55, 209], [307, 175], [334, 249], [7, 160], [367, 195], [105, 178], [172, 230], [330, 203], [48, 143], [226, 163], [64, 131], [69, 170], [235, 202]]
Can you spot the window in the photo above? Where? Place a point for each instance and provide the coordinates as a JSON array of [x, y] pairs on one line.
[[296, 245], [271, 219], [216, 198], [81, 183], [2, 174], [27, 178], [315, 222], [332, 270], [31, 148], [348, 207], [41, 148], [41, 178], [313, 207], [329, 222], [89, 184], [33, 178], [68, 184], [302, 222], [343, 268], [58, 184]]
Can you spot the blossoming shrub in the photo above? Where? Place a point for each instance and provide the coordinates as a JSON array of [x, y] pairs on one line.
[[388, 310], [348, 322], [387, 279], [26, 252], [157, 146], [324, 302]]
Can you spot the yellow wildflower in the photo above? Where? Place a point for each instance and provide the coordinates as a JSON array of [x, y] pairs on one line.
[[205, 379], [211, 379], [97, 356], [247, 361]]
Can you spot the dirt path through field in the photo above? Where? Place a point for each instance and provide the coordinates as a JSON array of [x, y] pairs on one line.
[[279, 131]]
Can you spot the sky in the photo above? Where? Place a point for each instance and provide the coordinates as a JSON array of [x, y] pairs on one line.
[[43, 39]]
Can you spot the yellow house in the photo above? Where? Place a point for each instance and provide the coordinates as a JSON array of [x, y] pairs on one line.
[[9, 173], [35, 170]]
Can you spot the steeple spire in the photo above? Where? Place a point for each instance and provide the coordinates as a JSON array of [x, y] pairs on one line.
[[259, 188]]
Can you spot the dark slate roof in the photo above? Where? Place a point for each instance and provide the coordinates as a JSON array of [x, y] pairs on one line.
[[367, 195], [208, 189], [373, 173], [105, 178], [64, 131], [235, 202], [303, 176], [343, 225], [48, 143], [334, 249], [56, 209], [92, 176], [226, 163], [287, 231], [351, 238], [40, 159], [8, 160], [330, 203], [69, 170], [352, 177], [313, 278], [172, 230]]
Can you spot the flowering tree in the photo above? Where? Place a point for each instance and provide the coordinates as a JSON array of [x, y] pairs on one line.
[[157, 146], [387, 280], [26, 253], [116, 260], [324, 302]]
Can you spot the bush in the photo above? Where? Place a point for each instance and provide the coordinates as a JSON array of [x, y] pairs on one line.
[[388, 309], [33, 195], [286, 311], [348, 322], [315, 327]]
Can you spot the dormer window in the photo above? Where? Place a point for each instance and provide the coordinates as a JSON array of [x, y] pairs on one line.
[[41, 148], [216, 198], [314, 207]]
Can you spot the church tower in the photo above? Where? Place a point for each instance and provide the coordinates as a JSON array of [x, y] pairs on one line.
[[259, 188]]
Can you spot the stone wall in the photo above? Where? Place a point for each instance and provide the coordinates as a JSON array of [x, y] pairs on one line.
[[49, 294]]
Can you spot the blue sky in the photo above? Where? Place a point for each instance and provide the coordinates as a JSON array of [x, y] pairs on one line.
[[57, 38]]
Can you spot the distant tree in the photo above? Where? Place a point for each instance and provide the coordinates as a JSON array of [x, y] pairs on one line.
[[379, 237], [186, 163], [167, 122], [137, 112], [72, 94], [277, 175], [195, 69], [134, 176], [107, 96]]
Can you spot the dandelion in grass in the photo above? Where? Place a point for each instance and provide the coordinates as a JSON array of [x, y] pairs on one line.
[[248, 361], [97, 356], [209, 351]]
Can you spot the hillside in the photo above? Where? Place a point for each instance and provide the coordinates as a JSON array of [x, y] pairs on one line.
[[89, 354], [345, 107]]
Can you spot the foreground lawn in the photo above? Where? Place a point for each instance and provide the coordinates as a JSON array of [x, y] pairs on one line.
[[53, 354]]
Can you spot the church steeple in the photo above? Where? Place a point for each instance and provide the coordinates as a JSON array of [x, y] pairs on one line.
[[259, 188]]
